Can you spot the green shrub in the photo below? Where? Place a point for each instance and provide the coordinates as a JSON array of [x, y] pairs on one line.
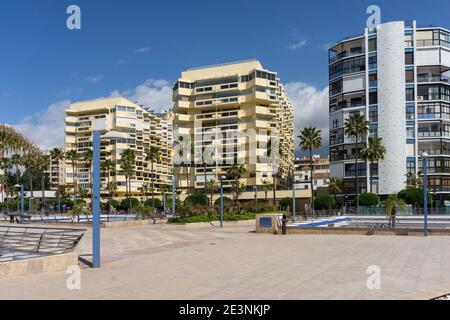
[[226, 200], [169, 203], [369, 200], [215, 218], [324, 202], [125, 204], [149, 203], [414, 197], [197, 199], [115, 204]]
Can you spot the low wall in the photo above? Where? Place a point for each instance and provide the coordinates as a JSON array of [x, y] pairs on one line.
[[56, 263], [367, 231]]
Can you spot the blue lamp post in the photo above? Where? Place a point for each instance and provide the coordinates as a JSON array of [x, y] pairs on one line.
[[96, 141], [221, 201], [425, 192]]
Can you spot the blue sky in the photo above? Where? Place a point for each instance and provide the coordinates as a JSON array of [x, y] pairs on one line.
[[138, 48]]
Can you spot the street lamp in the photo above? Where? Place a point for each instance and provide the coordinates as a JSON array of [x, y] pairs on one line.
[[174, 192], [22, 204], [221, 201], [425, 192], [99, 126]]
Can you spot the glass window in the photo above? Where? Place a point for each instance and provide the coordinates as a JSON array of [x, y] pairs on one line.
[[372, 45], [409, 58], [409, 75]]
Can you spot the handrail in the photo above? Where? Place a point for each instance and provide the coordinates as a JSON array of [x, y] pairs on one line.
[[24, 242]]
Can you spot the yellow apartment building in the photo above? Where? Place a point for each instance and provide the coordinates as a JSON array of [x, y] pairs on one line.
[[232, 113], [134, 128]]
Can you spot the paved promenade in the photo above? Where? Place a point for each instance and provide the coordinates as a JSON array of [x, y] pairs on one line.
[[201, 262]]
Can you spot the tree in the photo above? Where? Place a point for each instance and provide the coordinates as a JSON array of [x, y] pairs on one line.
[[357, 127], [72, 156], [324, 202], [374, 152], [5, 166], [414, 197], [369, 200], [211, 188], [43, 163], [107, 166], [393, 201], [235, 173], [335, 186], [153, 155], [197, 199], [311, 139], [12, 141], [266, 187], [57, 154], [145, 189], [127, 163], [88, 157]]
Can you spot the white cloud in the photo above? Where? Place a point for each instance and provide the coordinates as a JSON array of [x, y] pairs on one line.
[[298, 45], [46, 128], [311, 107], [95, 78], [154, 94], [142, 50]]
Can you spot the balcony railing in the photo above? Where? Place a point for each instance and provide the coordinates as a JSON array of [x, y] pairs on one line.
[[432, 43], [433, 78]]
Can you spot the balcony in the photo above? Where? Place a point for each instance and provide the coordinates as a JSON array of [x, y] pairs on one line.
[[433, 43], [433, 78]]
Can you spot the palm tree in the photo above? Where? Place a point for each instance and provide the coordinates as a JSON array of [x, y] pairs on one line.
[[17, 162], [145, 189], [211, 188], [107, 166], [11, 140], [357, 127], [31, 164], [57, 155], [311, 139], [335, 186], [88, 158], [266, 187], [127, 163], [393, 201], [43, 163], [5, 166], [375, 151], [72, 156], [235, 173], [153, 155]]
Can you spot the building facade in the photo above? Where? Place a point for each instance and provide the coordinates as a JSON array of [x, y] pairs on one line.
[[321, 177], [134, 128], [232, 113], [397, 76]]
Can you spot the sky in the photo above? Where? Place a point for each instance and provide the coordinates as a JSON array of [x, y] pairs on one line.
[[138, 48]]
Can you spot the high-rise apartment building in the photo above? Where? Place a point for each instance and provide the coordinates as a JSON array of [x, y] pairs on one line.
[[397, 76], [134, 128], [232, 113]]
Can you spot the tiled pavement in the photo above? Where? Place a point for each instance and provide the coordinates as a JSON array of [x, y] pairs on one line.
[[201, 262]]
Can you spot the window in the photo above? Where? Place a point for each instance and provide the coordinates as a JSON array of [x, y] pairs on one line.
[[410, 112], [373, 97], [373, 115], [373, 80], [373, 62], [409, 75], [372, 45], [410, 94], [409, 58]]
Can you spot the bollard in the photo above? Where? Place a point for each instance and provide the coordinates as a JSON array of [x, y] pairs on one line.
[[284, 225]]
